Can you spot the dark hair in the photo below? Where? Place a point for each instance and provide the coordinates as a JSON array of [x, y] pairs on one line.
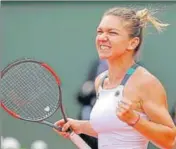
[[135, 21]]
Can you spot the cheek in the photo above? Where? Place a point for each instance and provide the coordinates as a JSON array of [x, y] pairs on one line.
[[96, 41], [120, 46], [97, 44]]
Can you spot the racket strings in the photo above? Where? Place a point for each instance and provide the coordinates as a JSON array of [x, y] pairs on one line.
[[19, 102], [27, 103], [30, 90]]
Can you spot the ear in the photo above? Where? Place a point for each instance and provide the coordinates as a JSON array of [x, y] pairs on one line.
[[133, 43]]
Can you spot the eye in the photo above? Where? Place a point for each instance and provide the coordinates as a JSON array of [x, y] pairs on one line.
[[99, 32], [113, 33]]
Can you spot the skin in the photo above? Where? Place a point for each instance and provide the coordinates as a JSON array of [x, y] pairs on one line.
[[143, 91]]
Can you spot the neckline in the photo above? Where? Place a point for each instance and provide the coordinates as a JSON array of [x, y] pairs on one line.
[[129, 72], [112, 89]]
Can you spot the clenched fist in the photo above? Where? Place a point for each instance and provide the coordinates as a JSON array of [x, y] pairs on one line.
[[125, 112]]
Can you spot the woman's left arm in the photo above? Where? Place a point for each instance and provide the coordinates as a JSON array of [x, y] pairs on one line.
[[160, 130]]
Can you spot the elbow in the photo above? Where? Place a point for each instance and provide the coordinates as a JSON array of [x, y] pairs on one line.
[[171, 144], [168, 145]]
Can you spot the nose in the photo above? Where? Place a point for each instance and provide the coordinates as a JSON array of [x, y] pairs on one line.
[[102, 38]]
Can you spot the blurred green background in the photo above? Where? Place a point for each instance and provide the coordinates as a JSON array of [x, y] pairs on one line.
[[62, 34]]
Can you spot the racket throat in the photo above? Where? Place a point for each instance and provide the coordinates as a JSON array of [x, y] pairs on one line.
[[51, 125]]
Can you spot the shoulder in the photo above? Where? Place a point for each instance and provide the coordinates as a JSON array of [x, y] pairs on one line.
[[154, 99], [98, 79], [151, 87], [147, 78], [149, 81]]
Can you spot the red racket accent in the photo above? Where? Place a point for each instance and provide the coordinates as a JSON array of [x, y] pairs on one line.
[[9, 111], [35, 111], [52, 71]]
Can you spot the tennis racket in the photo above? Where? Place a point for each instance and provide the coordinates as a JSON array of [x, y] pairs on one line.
[[31, 91]]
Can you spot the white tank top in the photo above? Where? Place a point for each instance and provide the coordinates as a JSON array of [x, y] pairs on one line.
[[112, 132]]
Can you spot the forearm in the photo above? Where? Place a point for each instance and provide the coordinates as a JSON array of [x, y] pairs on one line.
[[174, 146], [87, 129], [158, 134]]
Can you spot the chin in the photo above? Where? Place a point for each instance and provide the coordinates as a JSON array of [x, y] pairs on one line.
[[103, 57]]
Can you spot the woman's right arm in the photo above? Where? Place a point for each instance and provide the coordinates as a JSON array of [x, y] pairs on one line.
[[78, 126], [87, 129]]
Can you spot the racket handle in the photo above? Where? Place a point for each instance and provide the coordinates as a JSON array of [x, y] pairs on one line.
[[60, 129], [78, 141], [57, 127]]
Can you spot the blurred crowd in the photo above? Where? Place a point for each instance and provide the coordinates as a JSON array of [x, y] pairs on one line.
[[13, 143]]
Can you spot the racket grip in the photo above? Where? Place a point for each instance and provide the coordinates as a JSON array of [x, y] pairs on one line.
[[57, 127], [78, 141], [60, 128]]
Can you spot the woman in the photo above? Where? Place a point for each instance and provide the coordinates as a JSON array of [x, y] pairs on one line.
[[131, 107]]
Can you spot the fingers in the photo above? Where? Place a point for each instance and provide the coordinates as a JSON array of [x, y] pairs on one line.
[[65, 126], [60, 123], [124, 107], [125, 104], [125, 111]]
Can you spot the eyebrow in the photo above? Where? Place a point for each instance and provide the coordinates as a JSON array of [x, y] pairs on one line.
[[109, 29]]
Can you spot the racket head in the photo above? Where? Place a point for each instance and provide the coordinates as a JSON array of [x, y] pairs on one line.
[[30, 90]]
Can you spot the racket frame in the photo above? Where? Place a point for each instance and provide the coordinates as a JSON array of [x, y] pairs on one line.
[[49, 69], [76, 139]]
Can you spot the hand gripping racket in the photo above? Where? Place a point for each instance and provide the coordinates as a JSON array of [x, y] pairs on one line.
[[31, 91]]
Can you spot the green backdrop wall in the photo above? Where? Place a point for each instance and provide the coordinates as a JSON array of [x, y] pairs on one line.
[[63, 34]]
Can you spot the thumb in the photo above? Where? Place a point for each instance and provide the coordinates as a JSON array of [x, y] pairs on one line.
[[66, 126], [60, 123]]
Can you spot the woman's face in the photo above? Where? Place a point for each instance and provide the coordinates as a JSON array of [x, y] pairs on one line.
[[112, 39]]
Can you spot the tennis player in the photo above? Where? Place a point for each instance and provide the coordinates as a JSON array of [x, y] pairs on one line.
[[131, 107]]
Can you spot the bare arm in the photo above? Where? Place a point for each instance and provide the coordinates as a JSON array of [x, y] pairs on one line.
[[160, 130], [78, 126], [87, 129], [160, 135], [174, 147], [85, 126]]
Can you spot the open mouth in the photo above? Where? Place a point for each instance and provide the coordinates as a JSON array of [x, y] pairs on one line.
[[104, 47]]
